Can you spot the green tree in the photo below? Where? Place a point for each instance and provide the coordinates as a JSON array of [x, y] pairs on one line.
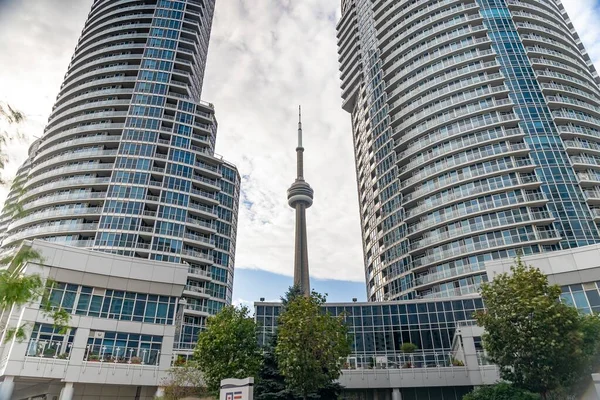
[[228, 348], [310, 345], [501, 391], [18, 289], [10, 119], [538, 342], [270, 384], [184, 381]]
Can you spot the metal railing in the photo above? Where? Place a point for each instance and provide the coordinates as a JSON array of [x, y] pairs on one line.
[[59, 350], [121, 355], [418, 359]]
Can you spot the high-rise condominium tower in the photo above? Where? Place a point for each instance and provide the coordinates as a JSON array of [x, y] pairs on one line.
[[476, 126], [126, 164]]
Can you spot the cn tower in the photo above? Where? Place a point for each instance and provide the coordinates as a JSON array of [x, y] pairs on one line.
[[300, 197]]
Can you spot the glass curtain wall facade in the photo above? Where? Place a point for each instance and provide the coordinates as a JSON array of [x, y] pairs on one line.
[[476, 126], [126, 164]]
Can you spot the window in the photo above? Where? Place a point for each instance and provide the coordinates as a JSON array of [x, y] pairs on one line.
[[112, 304]]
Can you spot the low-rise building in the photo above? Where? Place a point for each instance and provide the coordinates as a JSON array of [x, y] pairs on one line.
[[123, 324]]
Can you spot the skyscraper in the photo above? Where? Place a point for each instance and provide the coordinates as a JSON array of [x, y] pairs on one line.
[[476, 127], [126, 164]]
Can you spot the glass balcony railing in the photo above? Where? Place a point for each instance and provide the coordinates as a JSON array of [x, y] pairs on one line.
[[409, 361], [468, 192], [459, 291], [443, 181], [459, 159], [449, 273], [517, 201], [56, 350], [437, 237], [457, 144], [437, 254], [121, 355]]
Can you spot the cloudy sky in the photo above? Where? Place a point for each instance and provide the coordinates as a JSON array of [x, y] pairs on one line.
[[265, 58]]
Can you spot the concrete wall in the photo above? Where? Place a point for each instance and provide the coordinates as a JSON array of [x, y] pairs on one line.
[[92, 380]]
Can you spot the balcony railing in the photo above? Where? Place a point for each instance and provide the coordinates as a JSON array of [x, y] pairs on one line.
[[58, 350], [399, 360], [121, 355]]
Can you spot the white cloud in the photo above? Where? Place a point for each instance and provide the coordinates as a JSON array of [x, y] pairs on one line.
[[265, 58]]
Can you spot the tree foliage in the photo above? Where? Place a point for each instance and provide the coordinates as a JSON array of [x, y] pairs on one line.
[[271, 385], [18, 289], [539, 343], [184, 381], [228, 348], [9, 118], [501, 391], [310, 345]]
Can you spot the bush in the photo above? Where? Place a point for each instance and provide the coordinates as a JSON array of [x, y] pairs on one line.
[[500, 391], [408, 347]]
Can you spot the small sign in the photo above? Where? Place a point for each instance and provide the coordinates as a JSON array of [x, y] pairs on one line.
[[237, 389]]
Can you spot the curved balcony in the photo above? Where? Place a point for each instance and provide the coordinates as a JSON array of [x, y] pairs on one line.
[[437, 255], [437, 121], [558, 77], [108, 18], [63, 183], [547, 20], [481, 82], [422, 281], [438, 238], [462, 128], [83, 50], [75, 155], [57, 117], [461, 143], [407, 51], [465, 159], [561, 67], [102, 116], [65, 198], [539, 7], [395, 27], [440, 59], [588, 178], [576, 104], [99, 83], [456, 101], [118, 28], [523, 165], [65, 145], [82, 79], [454, 63], [129, 48], [100, 62], [54, 214], [559, 90], [461, 195], [81, 99], [50, 229], [197, 256], [553, 55], [554, 33], [430, 222], [53, 173]]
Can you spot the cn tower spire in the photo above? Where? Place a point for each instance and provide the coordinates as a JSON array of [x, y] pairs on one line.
[[300, 197]]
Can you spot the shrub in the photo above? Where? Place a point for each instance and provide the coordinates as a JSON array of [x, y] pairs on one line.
[[500, 391], [408, 347]]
